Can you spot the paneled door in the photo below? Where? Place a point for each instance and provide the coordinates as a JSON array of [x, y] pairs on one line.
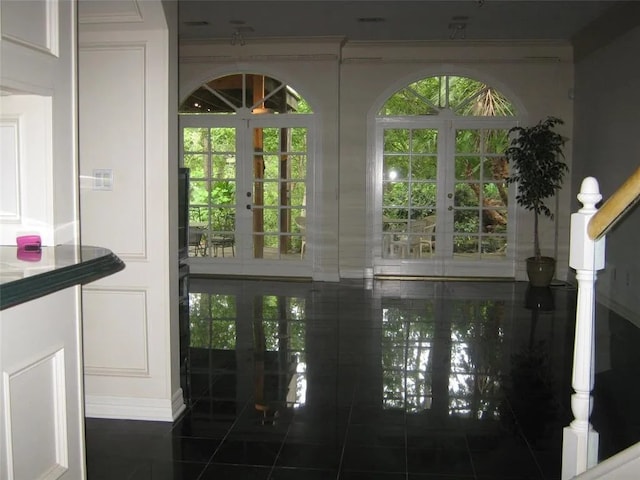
[[442, 202], [248, 194]]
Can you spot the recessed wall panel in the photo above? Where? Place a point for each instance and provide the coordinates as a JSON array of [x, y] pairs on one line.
[[35, 397], [26, 167], [115, 332], [9, 171], [32, 23], [112, 139]]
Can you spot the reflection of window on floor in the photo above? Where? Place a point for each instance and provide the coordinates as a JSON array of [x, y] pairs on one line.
[[280, 332], [477, 338], [212, 320], [406, 358], [278, 343], [454, 361], [212, 349]]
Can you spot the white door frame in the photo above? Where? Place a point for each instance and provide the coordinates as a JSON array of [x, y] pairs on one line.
[[243, 262], [443, 264]]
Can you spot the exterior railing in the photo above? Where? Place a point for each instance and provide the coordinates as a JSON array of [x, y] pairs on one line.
[[587, 256]]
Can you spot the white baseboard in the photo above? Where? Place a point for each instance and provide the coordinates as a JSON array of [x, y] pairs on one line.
[[135, 408], [326, 277], [358, 273]]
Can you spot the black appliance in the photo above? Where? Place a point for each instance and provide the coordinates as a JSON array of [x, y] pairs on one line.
[[183, 214], [183, 282]]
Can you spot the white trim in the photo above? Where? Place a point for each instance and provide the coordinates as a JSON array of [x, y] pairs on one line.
[[51, 45], [326, 277], [117, 12], [354, 273], [622, 466], [135, 408]]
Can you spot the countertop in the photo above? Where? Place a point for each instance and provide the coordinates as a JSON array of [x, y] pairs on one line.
[[28, 276]]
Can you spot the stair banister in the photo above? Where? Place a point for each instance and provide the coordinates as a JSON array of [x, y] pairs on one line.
[[615, 206], [586, 256]]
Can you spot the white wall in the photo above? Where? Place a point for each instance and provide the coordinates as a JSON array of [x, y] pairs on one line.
[[130, 319], [608, 148], [41, 394]]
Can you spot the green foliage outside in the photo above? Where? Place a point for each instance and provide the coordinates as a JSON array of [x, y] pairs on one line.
[[409, 154], [210, 154]]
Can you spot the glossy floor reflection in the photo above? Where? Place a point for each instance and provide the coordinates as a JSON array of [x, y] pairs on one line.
[[392, 380]]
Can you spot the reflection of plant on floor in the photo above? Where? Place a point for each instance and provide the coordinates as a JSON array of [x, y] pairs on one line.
[[530, 390]]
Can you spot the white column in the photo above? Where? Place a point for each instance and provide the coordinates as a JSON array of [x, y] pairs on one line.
[[580, 440]]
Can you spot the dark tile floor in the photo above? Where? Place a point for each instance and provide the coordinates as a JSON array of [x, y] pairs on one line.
[[381, 380]]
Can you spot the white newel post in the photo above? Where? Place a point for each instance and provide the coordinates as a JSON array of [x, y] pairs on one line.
[[586, 256]]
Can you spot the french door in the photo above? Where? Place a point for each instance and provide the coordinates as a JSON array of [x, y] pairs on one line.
[[249, 193], [442, 207]]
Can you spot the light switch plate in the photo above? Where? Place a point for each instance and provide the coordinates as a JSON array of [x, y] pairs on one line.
[[103, 179]]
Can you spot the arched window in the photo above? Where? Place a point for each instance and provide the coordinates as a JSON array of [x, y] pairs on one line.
[[244, 91], [442, 203], [461, 95], [245, 139]]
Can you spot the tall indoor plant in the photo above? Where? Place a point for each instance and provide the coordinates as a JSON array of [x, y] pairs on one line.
[[538, 169]]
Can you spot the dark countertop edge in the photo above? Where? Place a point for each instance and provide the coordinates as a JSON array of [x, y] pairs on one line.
[[36, 286]]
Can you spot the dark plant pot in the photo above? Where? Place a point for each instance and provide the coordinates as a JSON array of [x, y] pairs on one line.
[[541, 270]]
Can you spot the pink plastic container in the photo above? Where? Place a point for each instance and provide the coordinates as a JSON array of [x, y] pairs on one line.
[[29, 242]]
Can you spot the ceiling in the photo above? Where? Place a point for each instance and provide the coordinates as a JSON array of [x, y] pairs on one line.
[[382, 20]]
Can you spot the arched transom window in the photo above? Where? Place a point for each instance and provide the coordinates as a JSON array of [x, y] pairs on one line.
[[244, 91], [461, 95]]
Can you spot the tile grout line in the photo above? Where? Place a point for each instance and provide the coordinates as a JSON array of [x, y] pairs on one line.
[[526, 441], [473, 466], [406, 449], [275, 460], [346, 431], [200, 477]]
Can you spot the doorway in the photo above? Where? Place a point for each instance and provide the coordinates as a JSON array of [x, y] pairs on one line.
[[247, 146], [441, 203]]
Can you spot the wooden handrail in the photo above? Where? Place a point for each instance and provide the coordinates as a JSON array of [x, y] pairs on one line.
[[613, 209]]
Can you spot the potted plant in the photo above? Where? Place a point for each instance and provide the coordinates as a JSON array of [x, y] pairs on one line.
[[538, 169]]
